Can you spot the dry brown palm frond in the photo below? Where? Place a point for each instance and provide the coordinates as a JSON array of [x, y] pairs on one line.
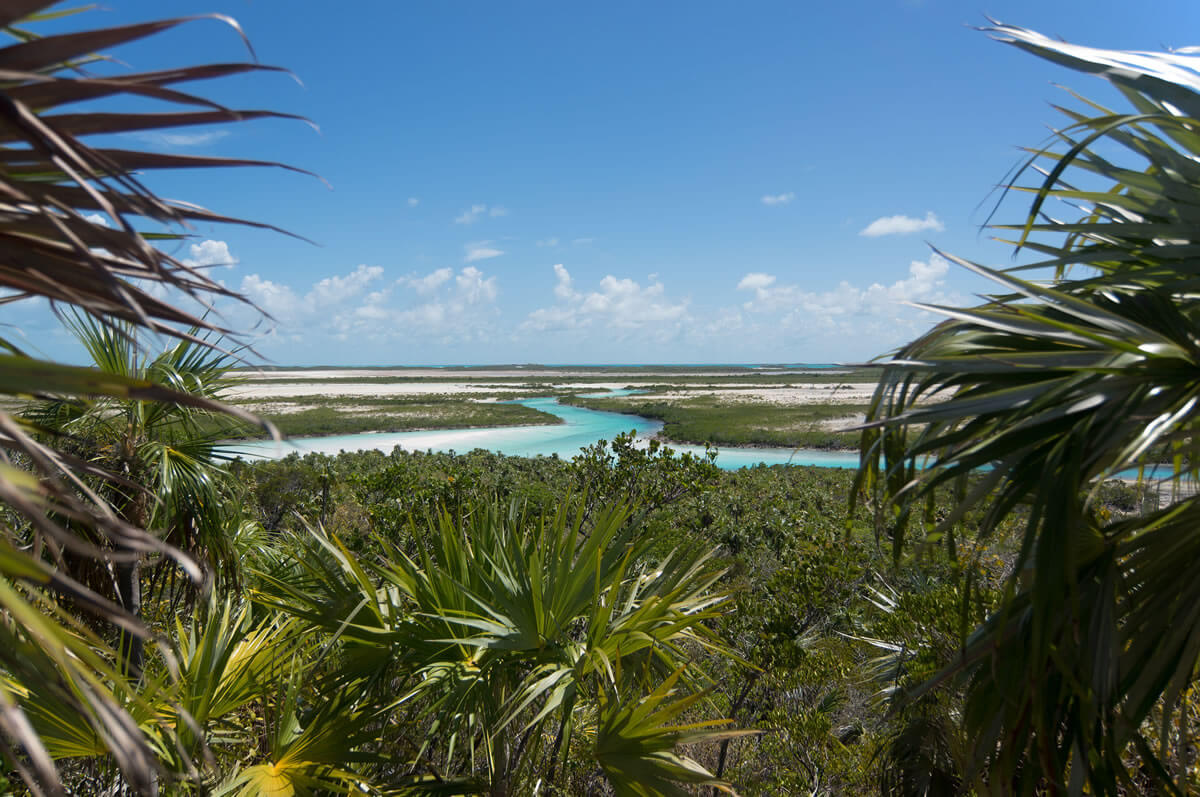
[[51, 181]]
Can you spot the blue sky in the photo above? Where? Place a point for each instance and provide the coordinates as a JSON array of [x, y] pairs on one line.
[[613, 182]]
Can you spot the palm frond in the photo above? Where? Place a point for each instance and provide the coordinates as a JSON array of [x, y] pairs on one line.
[[503, 626], [1041, 392], [49, 247]]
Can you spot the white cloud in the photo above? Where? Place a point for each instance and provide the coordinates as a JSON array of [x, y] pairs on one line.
[[473, 288], [547, 242], [180, 140], [288, 308], [472, 215], [481, 250], [413, 201], [876, 311], [334, 290], [430, 282], [210, 253], [276, 299], [562, 286], [464, 310], [360, 306], [755, 280], [902, 225], [478, 211], [97, 219], [620, 305], [778, 199]]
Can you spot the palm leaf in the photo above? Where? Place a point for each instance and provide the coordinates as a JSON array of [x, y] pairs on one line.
[[1043, 391], [52, 178]]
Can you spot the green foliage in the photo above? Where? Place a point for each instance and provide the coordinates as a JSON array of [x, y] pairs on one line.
[[56, 182], [804, 594], [480, 623], [167, 448], [652, 477], [504, 630], [706, 420], [326, 416], [1054, 387], [544, 380]]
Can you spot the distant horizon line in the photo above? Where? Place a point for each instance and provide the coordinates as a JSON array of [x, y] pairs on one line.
[[754, 365]]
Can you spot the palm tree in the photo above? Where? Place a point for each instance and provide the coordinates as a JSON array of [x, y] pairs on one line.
[[166, 454], [1024, 403], [51, 182], [533, 648]]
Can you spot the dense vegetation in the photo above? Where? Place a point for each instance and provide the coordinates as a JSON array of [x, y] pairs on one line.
[[543, 376], [814, 599], [1083, 363], [709, 420], [325, 415], [972, 612]]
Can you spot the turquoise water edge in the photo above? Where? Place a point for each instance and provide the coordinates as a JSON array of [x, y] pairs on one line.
[[580, 428]]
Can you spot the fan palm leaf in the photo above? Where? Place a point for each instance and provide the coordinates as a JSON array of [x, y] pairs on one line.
[[1044, 390], [504, 628], [49, 247]]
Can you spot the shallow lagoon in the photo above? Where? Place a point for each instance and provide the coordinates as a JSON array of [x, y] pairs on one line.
[[580, 428]]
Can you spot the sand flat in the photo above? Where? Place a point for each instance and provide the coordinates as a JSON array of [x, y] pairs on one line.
[[260, 390], [280, 385], [452, 374], [784, 395]]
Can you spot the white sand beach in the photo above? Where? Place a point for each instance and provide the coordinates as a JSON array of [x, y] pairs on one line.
[[784, 395], [317, 383], [316, 387]]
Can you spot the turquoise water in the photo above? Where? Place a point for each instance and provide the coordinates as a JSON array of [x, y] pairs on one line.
[[580, 428]]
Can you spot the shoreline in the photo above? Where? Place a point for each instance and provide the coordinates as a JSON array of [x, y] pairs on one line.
[[317, 435], [787, 394], [666, 441], [752, 446], [797, 393]]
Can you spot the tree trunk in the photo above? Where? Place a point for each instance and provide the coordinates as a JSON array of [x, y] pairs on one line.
[[129, 594], [135, 510]]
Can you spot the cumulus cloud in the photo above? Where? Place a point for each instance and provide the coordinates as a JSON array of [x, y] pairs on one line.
[[778, 199], [430, 282], [473, 287], [210, 253], [463, 310], [563, 287], [205, 254], [902, 225], [288, 307], [481, 250], [621, 305], [850, 310], [334, 290], [361, 305], [96, 218], [478, 211], [755, 280]]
